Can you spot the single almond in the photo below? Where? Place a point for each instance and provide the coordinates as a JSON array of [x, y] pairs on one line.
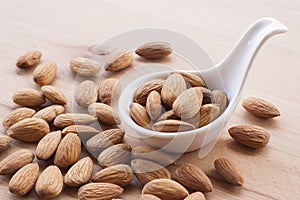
[[120, 174], [84, 67], [148, 197], [80, 130], [165, 189], [193, 79], [29, 130], [195, 196], [29, 59], [118, 61], [250, 135], [193, 178], [48, 145], [220, 97], [86, 93], [80, 173], [153, 105], [49, 113], [229, 171], [28, 97], [172, 125], [54, 95], [172, 88], [208, 113], [106, 139], [4, 142], [143, 92], [15, 161], [261, 108], [99, 191], [116, 154], [68, 119], [168, 115], [139, 114], [154, 50], [49, 183], [104, 113], [45, 73], [109, 89], [147, 171], [68, 151], [17, 115], [24, 179]]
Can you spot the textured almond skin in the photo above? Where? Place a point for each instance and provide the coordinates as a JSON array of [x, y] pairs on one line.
[[172, 125], [229, 171], [154, 50], [165, 189], [84, 67], [250, 136], [49, 183], [104, 113], [99, 191], [4, 142], [29, 59], [49, 113], [148, 197], [208, 113], [17, 115], [86, 93], [28, 97], [29, 130], [220, 97], [80, 173], [68, 119], [48, 145], [54, 95], [106, 139], [193, 178], [119, 174], [195, 196], [139, 114], [147, 171], [24, 179], [68, 151], [117, 154], [108, 90], [172, 88], [168, 115], [153, 105], [193, 79], [143, 92], [119, 61], [261, 108], [45, 73], [15, 161], [80, 130]]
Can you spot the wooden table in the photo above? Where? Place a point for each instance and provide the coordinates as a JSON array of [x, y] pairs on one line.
[[64, 29]]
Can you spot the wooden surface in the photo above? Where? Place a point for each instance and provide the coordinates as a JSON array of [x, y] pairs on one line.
[[64, 29]]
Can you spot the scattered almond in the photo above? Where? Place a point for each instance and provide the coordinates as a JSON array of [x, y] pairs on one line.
[[86, 93], [193, 79], [4, 142], [28, 97], [104, 113], [48, 145], [116, 154], [195, 196], [99, 191], [29, 59], [68, 119], [17, 115], [45, 73], [118, 61], [172, 125], [108, 90], [84, 67], [80, 130], [148, 197], [49, 113], [139, 115], [153, 105], [154, 50], [54, 95], [143, 92]]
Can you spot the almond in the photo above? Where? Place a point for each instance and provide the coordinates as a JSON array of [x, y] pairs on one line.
[[120, 174], [54, 95], [139, 115], [49, 113], [118, 61], [15, 161], [193, 178], [172, 125], [104, 113], [116, 154], [68, 151], [45, 73], [207, 95], [195, 196], [16, 116], [250, 136], [64, 120], [99, 191], [193, 79], [24, 179], [84, 67], [153, 105], [220, 97], [48, 145], [229, 171], [165, 189], [4, 142], [148, 197], [86, 93], [80, 173], [28, 97], [168, 115], [49, 183], [154, 50], [80, 130], [261, 108], [143, 92], [29, 59], [29, 130], [106, 139], [108, 89], [188, 103], [147, 171], [208, 113], [172, 88]]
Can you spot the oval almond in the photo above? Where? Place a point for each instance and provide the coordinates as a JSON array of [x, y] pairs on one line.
[[116, 154], [118, 61], [45, 73], [139, 114], [17, 115], [154, 50], [4, 142], [48, 145], [99, 191], [153, 105], [172, 125], [54, 95], [28, 97], [143, 92], [68, 119], [49, 113], [108, 90], [86, 93], [84, 67], [104, 113], [29, 59]]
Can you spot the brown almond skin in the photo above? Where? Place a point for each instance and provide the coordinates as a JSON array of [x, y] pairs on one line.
[[143, 92], [195, 196], [48, 145], [84, 67], [24, 179], [104, 113], [117, 62], [4, 142], [68, 119], [208, 113], [116, 154], [86, 93], [148, 197], [139, 114], [29, 59], [261, 108], [99, 191], [109, 89], [229, 171], [28, 97], [193, 79], [172, 125], [154, 50], [45, 73], [168, 115], [250, 135], [80, 130], [54, 95], [17, 115], [49, 113], [153, 105]]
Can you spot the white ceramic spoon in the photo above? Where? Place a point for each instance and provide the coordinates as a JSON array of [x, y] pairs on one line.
[[229, 75]]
